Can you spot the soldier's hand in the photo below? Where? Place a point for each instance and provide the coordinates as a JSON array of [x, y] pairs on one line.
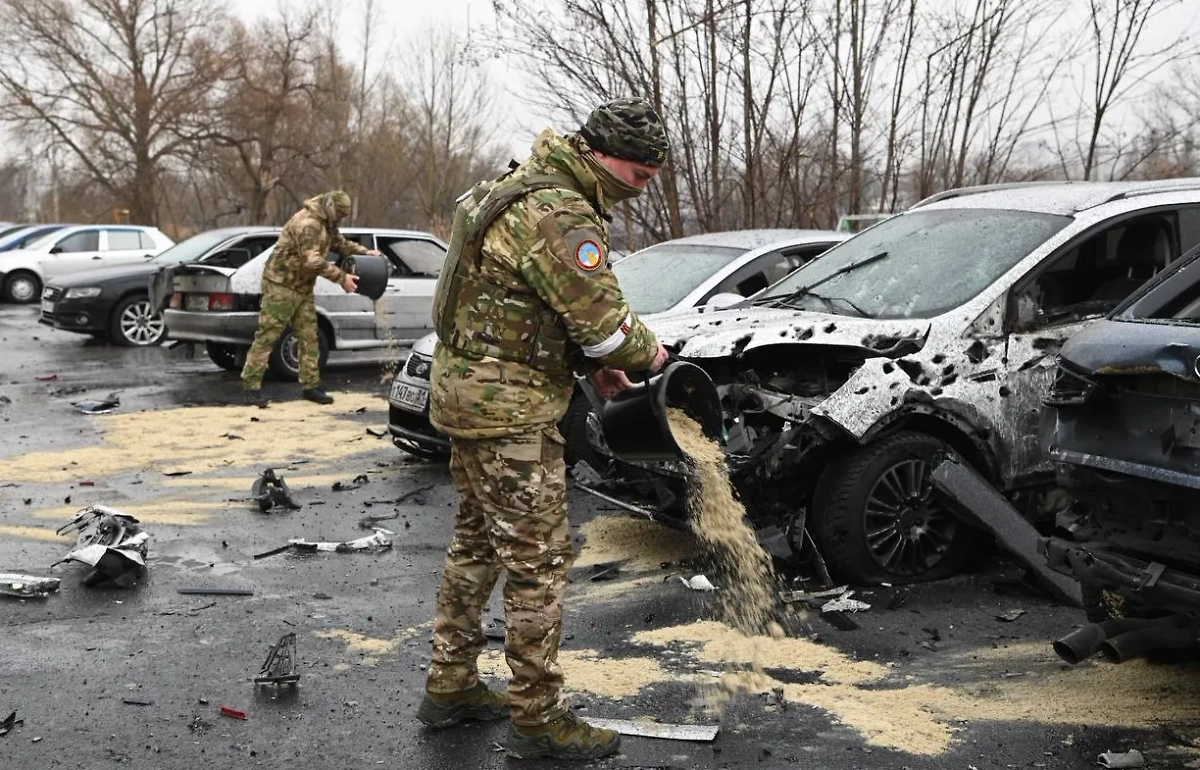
[[350, 282], [610, 382], [660, 359], [375, 253]]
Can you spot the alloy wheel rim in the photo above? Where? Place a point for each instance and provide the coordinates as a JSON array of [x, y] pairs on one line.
[[907, 530], [290, 351], [140, 325], [22, 289]]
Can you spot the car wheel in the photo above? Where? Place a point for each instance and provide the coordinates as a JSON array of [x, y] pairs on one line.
[[285, 356], [224, 356], [135, 324], [574, 432], [877, 519], [22, 286]]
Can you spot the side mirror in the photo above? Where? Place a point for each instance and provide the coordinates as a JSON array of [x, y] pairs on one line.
[[724, 299]]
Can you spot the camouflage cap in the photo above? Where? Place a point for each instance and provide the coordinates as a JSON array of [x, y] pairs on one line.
[[337, 204], [628, 128]]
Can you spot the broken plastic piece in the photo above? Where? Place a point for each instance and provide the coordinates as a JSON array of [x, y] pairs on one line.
[[1115, 759], [46, 377], [102, 406], [808, 596], [271, 491], [1010, 616], [9, 723], [380, 541], [345, 486], [658, 730], [280, 665], [27, 586], [698, 583], [229, 711], [844, 603], [109, 541], [136, 702], [377, 432]]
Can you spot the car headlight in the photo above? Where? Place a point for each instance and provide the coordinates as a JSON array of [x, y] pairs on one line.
[[82, 292]]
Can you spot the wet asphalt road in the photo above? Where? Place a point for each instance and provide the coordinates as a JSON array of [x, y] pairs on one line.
[[69, 663]]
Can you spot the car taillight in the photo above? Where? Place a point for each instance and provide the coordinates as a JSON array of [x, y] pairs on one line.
[[177, 300], [220, 302]]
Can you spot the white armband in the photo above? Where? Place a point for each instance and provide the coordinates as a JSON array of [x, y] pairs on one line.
[[613, 342]]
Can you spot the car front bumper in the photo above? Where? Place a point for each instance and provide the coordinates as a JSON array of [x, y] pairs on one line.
[[229, 328], [84, 316]]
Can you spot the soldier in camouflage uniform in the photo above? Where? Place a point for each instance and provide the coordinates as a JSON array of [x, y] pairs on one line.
[[526, 299], [287, 291]]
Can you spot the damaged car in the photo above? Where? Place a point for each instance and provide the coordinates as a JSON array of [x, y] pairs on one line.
[[934, 331], [1123, 425]]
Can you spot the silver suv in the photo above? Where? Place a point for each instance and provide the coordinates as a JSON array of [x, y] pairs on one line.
[[219, 305], [936, 330]]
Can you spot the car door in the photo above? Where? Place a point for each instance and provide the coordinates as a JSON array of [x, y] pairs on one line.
[[123, 246], [76, 251], [1084, 280], [408, 302]]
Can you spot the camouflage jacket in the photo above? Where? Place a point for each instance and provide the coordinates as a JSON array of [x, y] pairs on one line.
[[554, 242], [300, 253]]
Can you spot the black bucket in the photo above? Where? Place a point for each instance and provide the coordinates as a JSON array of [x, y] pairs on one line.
[[635, 421], [372, 272]]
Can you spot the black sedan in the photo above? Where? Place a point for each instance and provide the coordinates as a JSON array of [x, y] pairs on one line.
[[114, 303]]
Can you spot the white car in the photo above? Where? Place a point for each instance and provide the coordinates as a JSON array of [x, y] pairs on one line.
[[712, 269], [73, 249]]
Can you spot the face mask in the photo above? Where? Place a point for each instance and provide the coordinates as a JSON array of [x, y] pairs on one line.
[[613, 187]]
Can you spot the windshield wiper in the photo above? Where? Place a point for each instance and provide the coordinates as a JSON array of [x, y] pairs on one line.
[[808, 290]]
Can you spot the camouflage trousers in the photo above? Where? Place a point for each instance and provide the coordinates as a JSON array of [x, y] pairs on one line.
[[283, 307], [512, 518]]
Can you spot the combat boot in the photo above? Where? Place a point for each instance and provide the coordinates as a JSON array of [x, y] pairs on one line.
[[479, 704], [567, 737], [256, 398], [318, 395]]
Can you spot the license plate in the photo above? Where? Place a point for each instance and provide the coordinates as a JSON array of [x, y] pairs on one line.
[[414, 398], [196, 302]]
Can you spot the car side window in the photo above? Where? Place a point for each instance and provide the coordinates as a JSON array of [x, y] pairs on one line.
[[123, 240], [84, 240], [767, 269], [1092, 276], [146, 241], [413, 257]]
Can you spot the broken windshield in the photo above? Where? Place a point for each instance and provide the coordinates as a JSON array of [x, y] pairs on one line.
[[935, 261]]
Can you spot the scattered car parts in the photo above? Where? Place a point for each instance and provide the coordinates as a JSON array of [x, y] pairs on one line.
[[271, 491], [111, 543], [280, 665], [27, 586]]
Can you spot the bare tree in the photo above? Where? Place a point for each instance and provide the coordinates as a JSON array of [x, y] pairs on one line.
[[122, 84]]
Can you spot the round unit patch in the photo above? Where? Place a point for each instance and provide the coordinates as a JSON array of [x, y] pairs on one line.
[[589, 256]]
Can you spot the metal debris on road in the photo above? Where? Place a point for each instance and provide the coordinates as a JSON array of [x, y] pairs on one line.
[[101, 406], [218, 589], [844, 603], [377, 432], [1121, 759], [1010, 616], [135, 702], [645, 729], [280, 665], [605, 571], [177, 473], [380, 541], [27, 586], [698, 583], [271, 491], [369, 522], [229, 711], [111, 543], [345, 486], [791, 597], [9, 723]]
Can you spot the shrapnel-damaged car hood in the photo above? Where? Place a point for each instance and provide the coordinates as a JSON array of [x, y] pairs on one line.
[[704, 333]]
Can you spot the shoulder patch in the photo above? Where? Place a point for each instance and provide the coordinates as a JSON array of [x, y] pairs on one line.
[[586, 248]]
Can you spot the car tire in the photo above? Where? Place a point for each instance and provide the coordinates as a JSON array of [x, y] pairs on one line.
[[224, 356], [135, 324], [285, 362], [573, 428], [890, 473], [22, 287]]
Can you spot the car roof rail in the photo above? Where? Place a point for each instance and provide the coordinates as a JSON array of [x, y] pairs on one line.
[[1167, 185], [959, 192]]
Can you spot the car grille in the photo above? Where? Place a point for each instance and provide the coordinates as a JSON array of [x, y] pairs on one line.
[[418, 366], [1069, 388], [52, 293]]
